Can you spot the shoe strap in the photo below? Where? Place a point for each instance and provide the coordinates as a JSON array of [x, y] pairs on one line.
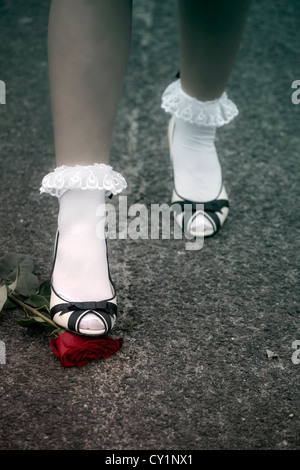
[[210, 210], [211, 206], [103, 306]]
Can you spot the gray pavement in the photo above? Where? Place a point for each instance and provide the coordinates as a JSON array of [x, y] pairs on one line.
[[193, 372]]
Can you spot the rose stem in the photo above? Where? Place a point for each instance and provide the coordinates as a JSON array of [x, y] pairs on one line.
[[32, 310]]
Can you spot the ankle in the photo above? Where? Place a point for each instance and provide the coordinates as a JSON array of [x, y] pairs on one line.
[[81, 271], [196, 166], [217, 112]]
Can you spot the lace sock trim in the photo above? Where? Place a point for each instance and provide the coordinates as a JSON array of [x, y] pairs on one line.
[[97, 176], [203, 113]]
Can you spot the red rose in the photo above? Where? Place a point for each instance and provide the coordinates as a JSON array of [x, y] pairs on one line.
[[75, 350]]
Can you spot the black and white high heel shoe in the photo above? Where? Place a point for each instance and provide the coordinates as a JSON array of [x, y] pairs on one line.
[[68, 315], [215, 211], [81, 190]]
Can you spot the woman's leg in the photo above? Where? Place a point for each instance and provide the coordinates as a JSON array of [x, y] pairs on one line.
[[88, 44], [210, 36]]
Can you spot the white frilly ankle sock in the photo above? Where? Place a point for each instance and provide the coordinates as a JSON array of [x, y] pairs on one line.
[[196, 166], [81, 272]]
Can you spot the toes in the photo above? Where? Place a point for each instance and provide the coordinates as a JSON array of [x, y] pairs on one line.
[[201, 224], [91, 322]]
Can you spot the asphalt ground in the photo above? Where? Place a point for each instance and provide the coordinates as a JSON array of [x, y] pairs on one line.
[[195, 371]]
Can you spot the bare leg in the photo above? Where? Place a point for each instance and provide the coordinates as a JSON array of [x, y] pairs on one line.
[[210, 36], [88, 44]]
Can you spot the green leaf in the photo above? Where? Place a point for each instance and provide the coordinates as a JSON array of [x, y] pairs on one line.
[[9, 304], [45, 292], [27, 285], [3, 296], [13, 285], [45, 289], [9, 266], [38, 301], [31, 321], [41, 299]]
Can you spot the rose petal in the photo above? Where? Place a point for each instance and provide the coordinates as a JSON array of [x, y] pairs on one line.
[[76, 350]]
